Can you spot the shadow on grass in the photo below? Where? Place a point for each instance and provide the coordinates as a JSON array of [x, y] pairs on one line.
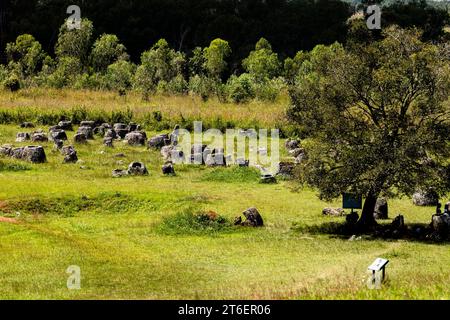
[[419, 232]]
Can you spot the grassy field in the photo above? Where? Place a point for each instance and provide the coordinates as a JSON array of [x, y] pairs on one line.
[[55, 215]]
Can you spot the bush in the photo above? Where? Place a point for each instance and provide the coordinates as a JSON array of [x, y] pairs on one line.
[[191, 222], [269, 90], [66, 72], [12, 83], [119, 75], [202, 86], [240, 89]]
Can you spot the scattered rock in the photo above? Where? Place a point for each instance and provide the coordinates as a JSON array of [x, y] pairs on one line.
[[137, 169], [253, 218], [398, 223], [286, 169], [87, 131], [119, 173], [440, 224], [136, 138], [268, 178], [34, 154], [108, 142], [120, 155], [296, 152], [65, 125], [6, 150], [58, 134], [242, 162], [17, 153], [159, 141], [90, 124], [334, 212], [168, 169], [109, 133], [58, 144], [22, 137], [79, 138], [381, 209], [133, 127], [70, 154], [166, 152], [39, 137], [425, 198], [292, 144]]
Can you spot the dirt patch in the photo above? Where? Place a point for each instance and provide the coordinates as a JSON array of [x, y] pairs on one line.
[[8, 220]]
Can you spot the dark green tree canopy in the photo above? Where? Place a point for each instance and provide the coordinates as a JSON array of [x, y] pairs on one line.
[[377, 117]]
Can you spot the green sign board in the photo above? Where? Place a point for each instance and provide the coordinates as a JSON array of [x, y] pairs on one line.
[[351, 201]]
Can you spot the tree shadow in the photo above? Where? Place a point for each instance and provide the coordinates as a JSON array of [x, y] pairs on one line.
[[414, 232]]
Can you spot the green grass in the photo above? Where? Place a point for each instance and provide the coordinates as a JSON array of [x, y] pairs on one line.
[[140, 237]]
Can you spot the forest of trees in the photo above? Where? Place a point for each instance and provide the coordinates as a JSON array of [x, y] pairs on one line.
[[204, 47]]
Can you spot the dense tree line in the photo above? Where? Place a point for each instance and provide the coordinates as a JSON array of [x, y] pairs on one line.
[[289, 25], [235, 70]]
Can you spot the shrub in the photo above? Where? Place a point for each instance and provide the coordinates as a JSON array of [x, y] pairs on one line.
[[202, 86], [66, 72], [192, 222], [12, 83], [240, 89], [119, 75]]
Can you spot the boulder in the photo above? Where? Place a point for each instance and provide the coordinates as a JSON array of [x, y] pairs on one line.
[[58, 134], [425, 198], [34, 154], [136, 138], [87, 131], [17, 153], [398, 223], [159, 141], [242, 162], [133, 127], [381, 209], [65, 125], [108, 142], [121, 133], [79, 138], [286, 169], [334, 212], [90, 124], [22, 137], [27, 125], [291, 144], [137, 169], [440, 224], [6, 150], [117, 173], [166, 152], [119, 126], [268, 178], [58, 144], [39, 137], [168, 169], [109, 133], [296, 152], [70, 154], [253, 218]]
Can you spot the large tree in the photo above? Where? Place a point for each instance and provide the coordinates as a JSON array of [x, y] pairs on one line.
[[377, 117]]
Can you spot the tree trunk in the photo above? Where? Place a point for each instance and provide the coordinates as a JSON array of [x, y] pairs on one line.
[[367, 219]]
